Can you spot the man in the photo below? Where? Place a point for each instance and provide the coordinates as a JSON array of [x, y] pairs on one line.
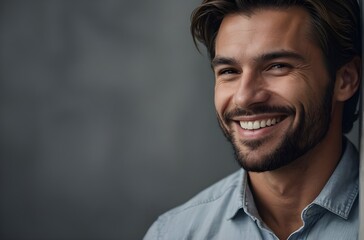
[[287, 75]]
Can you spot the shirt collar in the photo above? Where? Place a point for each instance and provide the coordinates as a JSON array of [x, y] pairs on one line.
[[238, 197], [337, 196], [341, 190], [243, 199]]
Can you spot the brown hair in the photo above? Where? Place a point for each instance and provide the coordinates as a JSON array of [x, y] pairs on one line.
[[336, 29]]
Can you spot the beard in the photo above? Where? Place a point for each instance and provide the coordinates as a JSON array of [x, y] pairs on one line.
[[312, 127]]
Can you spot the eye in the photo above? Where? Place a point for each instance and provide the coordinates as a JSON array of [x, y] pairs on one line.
[[227, 71], [279, 68]]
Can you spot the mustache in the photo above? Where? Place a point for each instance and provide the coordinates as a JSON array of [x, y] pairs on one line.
[[258, 110]]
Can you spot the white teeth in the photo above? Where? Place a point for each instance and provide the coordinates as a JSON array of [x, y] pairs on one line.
[[253, 125], [256, 125], [263, 123], [269, 122]]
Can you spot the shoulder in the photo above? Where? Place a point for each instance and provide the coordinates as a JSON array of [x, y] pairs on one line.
[[210, 194], [202, 208]]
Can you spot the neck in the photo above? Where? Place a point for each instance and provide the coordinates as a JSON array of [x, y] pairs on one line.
[[281, 195]]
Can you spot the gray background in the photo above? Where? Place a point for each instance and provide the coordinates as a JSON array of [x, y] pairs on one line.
[[107, 117]]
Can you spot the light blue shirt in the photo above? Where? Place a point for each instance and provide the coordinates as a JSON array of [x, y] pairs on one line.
[[227, 211]]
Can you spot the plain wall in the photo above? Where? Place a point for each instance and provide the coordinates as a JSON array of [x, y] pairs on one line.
[[107, 117]]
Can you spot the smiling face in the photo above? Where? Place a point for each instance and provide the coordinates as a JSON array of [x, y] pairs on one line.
[[272, 92]]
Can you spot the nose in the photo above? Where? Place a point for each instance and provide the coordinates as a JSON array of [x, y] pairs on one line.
[[250, 90]]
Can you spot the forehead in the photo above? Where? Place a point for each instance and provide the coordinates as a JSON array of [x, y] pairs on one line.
[[273, 29]]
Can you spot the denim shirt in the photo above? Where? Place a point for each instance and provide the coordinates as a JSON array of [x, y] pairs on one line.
[[226, 210]]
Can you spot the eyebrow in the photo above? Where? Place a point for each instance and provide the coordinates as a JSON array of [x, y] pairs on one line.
[[219, 60], [279, 54]]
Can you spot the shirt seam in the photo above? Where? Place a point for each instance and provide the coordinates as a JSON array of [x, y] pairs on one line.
[[163, 219], [209, 200]]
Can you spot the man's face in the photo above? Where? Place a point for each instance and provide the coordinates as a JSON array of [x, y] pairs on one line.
[[272, 92]]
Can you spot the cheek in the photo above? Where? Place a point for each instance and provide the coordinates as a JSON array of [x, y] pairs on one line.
[[296, 92], [222, 99]]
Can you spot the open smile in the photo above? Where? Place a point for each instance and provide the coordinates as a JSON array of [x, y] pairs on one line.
[[257, 124], [259, 127]]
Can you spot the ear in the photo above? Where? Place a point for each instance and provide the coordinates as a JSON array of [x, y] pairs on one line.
[[348, 80]]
